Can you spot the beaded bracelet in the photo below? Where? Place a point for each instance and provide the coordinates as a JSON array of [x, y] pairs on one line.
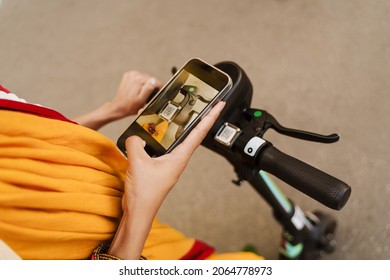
[[100, 253]]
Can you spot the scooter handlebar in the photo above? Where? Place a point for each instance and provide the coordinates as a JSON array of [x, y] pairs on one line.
[[317, 184]]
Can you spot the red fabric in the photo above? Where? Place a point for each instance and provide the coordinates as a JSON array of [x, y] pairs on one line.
[[199, 251], [4, 89], [30, 108]]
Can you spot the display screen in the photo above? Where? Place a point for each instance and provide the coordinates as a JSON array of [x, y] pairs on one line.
[[167, 117]]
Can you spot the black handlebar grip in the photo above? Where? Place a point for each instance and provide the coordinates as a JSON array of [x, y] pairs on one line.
[[320, 186]]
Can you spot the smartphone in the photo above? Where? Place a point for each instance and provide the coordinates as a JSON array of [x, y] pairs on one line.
[[179, 105]]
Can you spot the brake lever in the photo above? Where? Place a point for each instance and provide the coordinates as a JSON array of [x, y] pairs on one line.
[[264, 121]]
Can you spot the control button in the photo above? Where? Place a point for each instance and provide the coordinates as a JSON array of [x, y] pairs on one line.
[[258, 114], [253, 146], [227, 134]]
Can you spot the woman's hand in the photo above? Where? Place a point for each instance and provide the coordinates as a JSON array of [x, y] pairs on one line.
[[133, 91], [148, 182]]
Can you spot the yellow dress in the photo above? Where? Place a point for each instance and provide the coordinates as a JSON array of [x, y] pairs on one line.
[[61, 186]]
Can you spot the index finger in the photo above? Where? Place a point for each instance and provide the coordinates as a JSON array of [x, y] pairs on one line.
[[196, 136]]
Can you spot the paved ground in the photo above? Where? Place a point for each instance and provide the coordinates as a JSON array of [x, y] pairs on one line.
[[321, 66]]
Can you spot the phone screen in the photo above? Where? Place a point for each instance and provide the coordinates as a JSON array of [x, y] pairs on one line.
[[177, 107], [170, 115]]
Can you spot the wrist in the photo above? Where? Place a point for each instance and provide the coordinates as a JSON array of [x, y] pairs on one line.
[[102, 253], [117, 109], [130, 237], [142, 204], [98, 117], [109, 112]]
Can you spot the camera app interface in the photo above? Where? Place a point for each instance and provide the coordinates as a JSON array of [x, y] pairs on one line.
[[176, 108]]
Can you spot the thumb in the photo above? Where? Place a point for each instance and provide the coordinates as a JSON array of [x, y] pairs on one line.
[[135, 147]]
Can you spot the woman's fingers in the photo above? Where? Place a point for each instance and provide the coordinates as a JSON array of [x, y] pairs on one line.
[[150, 85]]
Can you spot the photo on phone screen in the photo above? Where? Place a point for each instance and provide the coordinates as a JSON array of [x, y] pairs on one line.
[[170, 115], [178, 106]]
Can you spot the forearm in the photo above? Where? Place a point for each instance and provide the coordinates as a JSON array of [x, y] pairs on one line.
[[133, 231], [99, 117], [133, 91]]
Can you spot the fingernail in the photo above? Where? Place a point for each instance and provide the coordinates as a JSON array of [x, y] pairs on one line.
[[221, 104], [153, 81], [143, 143]]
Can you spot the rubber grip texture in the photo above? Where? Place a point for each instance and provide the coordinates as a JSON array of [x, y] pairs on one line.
[[317, 184]]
